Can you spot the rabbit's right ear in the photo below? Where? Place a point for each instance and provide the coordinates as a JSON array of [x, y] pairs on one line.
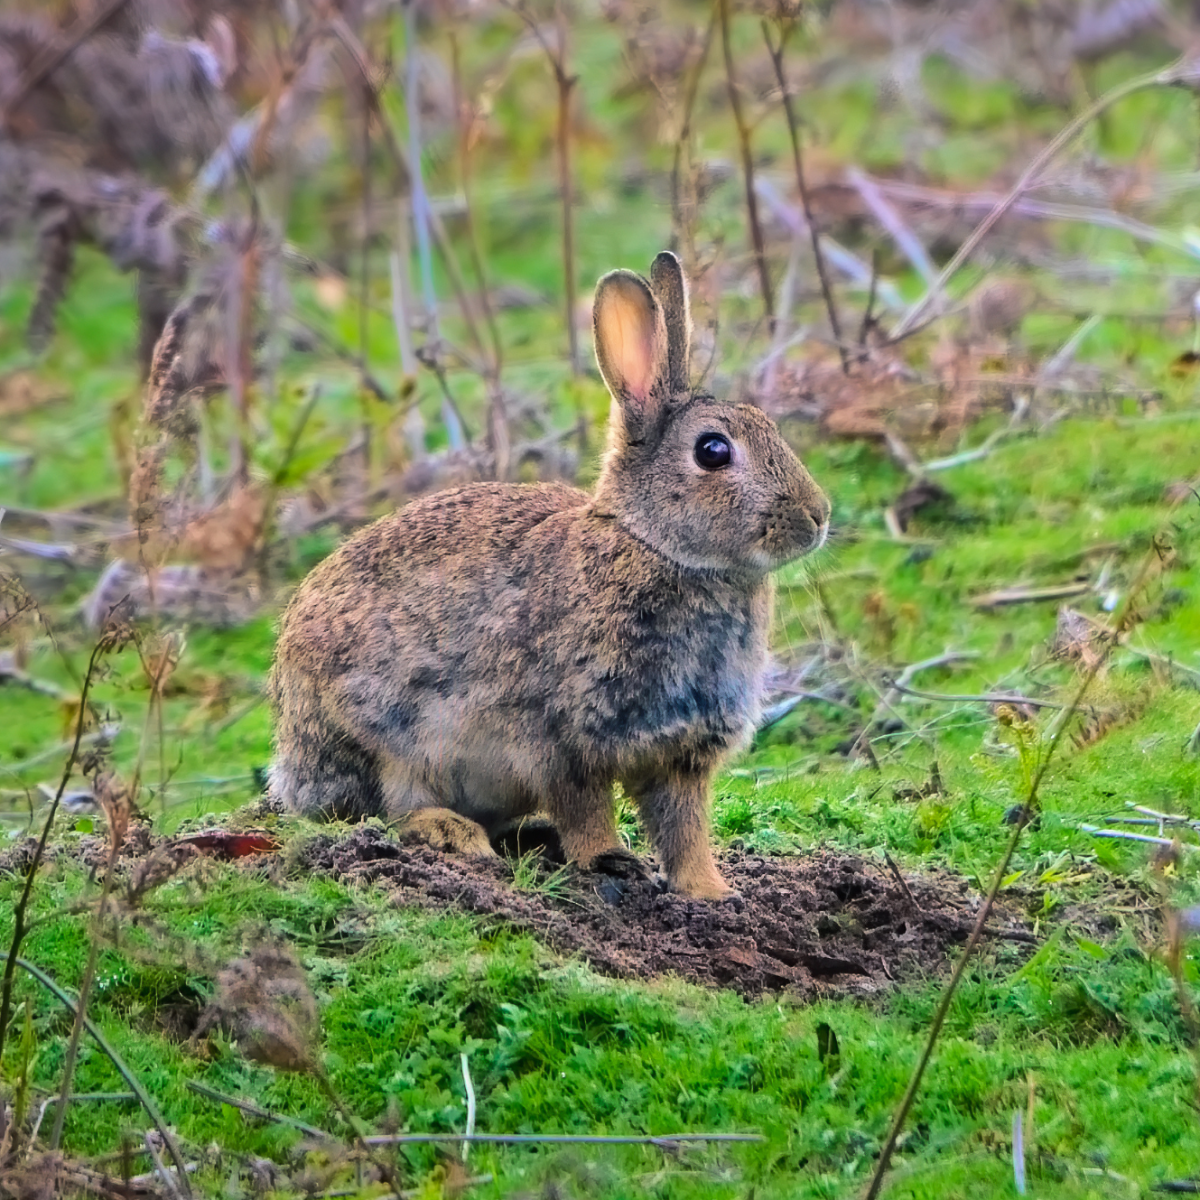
[[670, 286], [631, 343]]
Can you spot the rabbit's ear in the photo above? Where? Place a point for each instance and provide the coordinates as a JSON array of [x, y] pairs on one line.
[[666, 277], [631, 339]]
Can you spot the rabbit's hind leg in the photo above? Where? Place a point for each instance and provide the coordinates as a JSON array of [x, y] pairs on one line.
[[417, 815]]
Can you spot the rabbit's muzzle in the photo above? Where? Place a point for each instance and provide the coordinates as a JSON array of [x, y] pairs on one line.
[[790, 529]]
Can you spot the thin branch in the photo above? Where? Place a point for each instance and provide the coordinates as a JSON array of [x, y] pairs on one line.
[[776, 53], [743, 132], [683, 225], [498, 436], [1051, 741], [558, 1139], [868, 317], [468, 114], [1123, 836], [19, 913], [1024, 595], [160, 1169], [888, 700], [1179, 72], [565, 82], [255, 1111], [987, 698]]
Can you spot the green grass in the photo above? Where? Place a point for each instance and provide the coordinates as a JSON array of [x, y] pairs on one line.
[[554, 1048], [1089, 1025]]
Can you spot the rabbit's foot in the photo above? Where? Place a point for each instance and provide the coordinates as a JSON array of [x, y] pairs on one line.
[[443, 829], [704, 883], [526, 835]]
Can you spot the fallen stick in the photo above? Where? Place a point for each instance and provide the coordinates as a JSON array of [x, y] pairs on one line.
[[1123, 836], [1024, 595], [255, 1111], [985, 698], [559, 1139]]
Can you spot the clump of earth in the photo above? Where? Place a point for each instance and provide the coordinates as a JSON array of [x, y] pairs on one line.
[[820, 924]]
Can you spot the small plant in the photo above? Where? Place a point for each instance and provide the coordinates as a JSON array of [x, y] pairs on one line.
[[531, 873]]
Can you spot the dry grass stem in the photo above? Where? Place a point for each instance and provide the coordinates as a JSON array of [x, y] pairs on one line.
[[1176, 74], [776, 53], [1123, 620], [743, 131]]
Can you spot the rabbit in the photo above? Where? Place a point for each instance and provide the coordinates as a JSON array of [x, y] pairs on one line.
[[502, 650]]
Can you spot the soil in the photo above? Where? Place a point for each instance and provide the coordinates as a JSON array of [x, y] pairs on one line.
[[821, 924], [815, 925]]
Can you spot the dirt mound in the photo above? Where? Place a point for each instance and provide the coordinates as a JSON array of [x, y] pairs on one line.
[[822, 924]]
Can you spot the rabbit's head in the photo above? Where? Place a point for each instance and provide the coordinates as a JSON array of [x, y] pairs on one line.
[[710, 486]]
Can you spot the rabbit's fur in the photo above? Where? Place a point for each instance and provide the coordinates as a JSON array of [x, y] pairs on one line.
[[504, 649]]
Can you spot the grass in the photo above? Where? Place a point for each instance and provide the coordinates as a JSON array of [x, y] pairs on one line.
[[553, 1048], [1085, 1033]]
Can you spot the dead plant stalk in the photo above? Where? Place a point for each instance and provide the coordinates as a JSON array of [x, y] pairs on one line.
[[157, 668], [786, 26], [1125, 618], [565, 82], [683, 215], [20, 925], [1181, 71], [499, 440], [743, 134]]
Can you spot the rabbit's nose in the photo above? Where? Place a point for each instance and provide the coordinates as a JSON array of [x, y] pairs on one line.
[[819, 513]]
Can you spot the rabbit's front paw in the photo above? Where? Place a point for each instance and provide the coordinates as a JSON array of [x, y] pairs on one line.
[[703, 885]]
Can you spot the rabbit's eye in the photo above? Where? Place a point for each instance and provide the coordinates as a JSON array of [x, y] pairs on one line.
[[713, 451]]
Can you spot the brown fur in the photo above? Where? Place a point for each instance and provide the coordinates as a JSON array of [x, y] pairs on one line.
[[499, 650]]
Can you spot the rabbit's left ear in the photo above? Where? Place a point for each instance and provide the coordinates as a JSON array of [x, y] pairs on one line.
[[670, 287], [631, 343]]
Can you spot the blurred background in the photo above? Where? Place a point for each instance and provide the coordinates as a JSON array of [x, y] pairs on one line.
[[374, 228]]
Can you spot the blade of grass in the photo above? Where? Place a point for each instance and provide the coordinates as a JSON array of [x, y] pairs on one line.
[[122, 1068]]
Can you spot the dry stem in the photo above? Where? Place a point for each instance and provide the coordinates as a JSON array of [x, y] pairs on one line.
[[1177, 73], [683, 223], [565, 82], [1054, 736], [776, 53], [743, 132], [20, 926]]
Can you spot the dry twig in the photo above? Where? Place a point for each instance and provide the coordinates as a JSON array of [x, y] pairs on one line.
[[743, 132]]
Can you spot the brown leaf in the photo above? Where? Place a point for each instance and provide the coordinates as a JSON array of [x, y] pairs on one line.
[[223, 844]]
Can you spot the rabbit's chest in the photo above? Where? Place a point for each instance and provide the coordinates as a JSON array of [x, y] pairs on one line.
[[686, 677]]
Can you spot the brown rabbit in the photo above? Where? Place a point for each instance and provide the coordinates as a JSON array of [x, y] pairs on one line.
[[507, 649]]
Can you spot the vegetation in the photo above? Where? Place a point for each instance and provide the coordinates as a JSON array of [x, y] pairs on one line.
[[1052, 402]]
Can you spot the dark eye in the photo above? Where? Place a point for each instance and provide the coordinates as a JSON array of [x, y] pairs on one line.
[[713, 451]]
